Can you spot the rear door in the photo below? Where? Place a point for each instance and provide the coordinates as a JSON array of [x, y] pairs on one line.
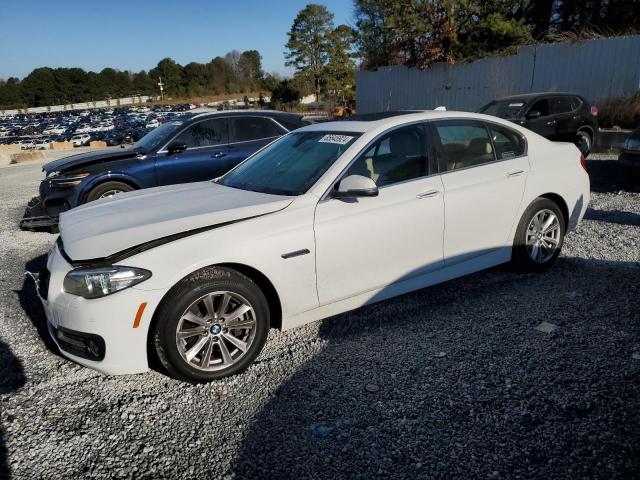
[[484, 169], [567, 118], [205, 157], [539, 119], [248, 134]]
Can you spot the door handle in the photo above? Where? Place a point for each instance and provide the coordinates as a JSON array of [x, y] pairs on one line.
[[428, 194], [552, 122], [218, 155], [515, 173]]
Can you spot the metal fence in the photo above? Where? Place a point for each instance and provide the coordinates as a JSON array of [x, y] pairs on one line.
[[597, 69]]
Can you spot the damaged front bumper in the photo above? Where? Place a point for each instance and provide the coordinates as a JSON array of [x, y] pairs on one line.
[[37, 216]]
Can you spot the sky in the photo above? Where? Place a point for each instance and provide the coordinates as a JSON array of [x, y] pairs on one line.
[[136, 34]]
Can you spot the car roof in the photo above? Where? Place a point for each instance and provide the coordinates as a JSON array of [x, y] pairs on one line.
[[356, 125], [531, 96], [248, 113]]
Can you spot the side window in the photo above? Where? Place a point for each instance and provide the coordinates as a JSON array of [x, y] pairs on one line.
[[204, 134], [508, 143], [398, 156], [560, 105], [245, 129], [576, 103], [465, 144], [541, 106]]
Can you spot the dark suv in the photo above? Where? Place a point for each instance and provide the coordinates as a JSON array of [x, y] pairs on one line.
[[565, 117], [192, 149]]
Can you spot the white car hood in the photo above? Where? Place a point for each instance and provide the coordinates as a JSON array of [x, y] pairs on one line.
[[104, 227]]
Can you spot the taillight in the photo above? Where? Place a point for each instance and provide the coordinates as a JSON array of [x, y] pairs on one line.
[[583, 163], [594, 110]]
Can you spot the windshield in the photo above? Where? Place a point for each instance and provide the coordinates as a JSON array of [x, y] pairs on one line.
[[290, 165], [503, 108], [157, 137]]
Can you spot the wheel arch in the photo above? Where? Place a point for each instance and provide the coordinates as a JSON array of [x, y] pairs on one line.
[[562, 204], [589, 130], [111, 177], [259, 278]]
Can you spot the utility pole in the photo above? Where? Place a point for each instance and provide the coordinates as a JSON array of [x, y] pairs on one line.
[[161, 85]]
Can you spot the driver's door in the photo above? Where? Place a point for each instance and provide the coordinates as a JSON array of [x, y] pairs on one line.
[[543, 123], [367, 243], [205, 157]]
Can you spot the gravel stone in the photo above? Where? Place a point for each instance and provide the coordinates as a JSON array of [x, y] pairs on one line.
[[508, 402]]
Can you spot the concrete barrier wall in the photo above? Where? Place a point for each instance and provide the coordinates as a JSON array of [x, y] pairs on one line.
[[61, 145], [9, 148], [112, 102]]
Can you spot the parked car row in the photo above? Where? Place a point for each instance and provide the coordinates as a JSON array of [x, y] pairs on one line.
[[319, 220], [115, 126]]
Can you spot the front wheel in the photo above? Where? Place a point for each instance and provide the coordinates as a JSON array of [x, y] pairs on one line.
[[108, 189], [539, 236], [211, 325]]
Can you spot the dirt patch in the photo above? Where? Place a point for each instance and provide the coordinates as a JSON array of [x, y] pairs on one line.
[[26, 156]]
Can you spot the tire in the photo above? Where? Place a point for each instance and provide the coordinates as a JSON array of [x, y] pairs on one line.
[[524, 256], [104, 189], [185, 310], [584, 142]]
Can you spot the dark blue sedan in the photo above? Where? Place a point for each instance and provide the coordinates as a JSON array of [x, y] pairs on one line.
[[197, 148]]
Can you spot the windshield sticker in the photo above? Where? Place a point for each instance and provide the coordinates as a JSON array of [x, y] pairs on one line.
[[337, 139], [511, 105]]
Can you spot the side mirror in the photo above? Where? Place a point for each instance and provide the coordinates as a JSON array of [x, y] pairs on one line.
[[533, 114], [355, 186], [176, 148]]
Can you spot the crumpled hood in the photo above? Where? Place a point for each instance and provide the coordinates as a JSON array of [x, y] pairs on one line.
[[88, 158], [108, 226]]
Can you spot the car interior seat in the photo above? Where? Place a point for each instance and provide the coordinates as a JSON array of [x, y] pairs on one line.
[[405, 161]]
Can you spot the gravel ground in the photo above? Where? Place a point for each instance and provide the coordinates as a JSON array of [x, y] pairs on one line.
[[453, 381]]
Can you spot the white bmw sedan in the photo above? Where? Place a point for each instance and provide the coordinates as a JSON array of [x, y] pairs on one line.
[[323, 220]]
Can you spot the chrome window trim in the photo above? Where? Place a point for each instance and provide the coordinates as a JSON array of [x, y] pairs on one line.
[[164, 148], [325, 195]]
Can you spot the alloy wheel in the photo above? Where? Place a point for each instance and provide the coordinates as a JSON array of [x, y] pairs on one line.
[[543, 236], [110, 193], [216, 331]]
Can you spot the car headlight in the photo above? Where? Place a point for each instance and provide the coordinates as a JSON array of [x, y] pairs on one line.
[[67, 180], [95, 282], [632, 144]]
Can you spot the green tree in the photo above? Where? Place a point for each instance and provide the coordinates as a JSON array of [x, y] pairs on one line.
[[250, 69], [309, 43], [285, 94], [10, 93], [195, 78], [171, 74], [38, 88], [270, 82], [339, 72]]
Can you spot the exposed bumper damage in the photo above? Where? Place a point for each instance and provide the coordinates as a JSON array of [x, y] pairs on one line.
[[36, 216]]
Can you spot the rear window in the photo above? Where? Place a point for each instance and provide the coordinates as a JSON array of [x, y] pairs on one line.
[[561, 105], [508, 143]]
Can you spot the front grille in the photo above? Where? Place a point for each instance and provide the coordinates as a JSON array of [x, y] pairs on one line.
[[43, 283]]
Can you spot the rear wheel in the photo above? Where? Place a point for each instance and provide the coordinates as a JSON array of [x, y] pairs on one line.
[[211, 325], [108, 189], [539, 236], [584, 142]]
